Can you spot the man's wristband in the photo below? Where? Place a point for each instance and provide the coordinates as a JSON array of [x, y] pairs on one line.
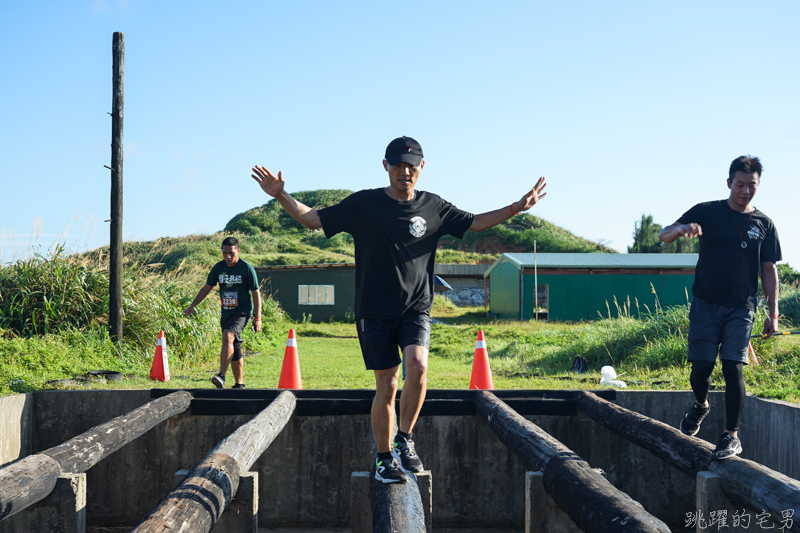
[[256, 320], [774, 316], [511, 207]]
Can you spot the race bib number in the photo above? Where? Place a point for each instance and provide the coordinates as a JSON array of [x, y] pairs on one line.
[[230, 300]]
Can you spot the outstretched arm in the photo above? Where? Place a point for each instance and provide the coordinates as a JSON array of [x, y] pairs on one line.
[[492, 218], [273, 186], [769, 282], [672, 232]]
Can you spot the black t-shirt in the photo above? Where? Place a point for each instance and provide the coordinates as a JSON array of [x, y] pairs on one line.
[[235, 284], [726, 273], [395, 247]]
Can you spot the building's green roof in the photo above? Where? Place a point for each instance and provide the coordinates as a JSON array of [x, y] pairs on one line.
[[597, 261]]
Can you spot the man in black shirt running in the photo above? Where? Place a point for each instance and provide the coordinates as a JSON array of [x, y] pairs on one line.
[[737, 241], [396, 230]]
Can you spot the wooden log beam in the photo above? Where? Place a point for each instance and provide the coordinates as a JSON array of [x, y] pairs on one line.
[[395, 506], [26, 482], [745, 482], [248, 443], [79, 454], [198, 502], [32, 478], [690, 455], [594, 504]]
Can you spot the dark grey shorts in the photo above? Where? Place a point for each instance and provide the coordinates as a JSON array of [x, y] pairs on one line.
[[380, 339], [235, 324], [718, 328]]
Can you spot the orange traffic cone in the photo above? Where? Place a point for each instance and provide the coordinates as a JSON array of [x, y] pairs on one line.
[[290, 372], [481, 373], [160, 369], [752, 354]]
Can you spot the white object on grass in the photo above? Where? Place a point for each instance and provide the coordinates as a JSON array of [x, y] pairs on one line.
[[609, 377]]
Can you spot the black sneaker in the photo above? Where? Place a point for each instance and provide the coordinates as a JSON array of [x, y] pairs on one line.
[[690, 423], [403, 451], [239, 386], [386, 471], [218, 381], [728, 447]]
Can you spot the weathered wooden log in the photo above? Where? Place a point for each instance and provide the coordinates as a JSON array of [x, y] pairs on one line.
[[32, 478], [395, 506], [26, 482], [594, 504], [198, 502], [248, 443], [743, 481], [79, 454]]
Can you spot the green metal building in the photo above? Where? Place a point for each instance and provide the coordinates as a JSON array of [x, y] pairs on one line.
[[587, 286], [323, 292]]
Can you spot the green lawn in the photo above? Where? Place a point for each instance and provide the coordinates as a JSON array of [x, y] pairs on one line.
[[647, 354]]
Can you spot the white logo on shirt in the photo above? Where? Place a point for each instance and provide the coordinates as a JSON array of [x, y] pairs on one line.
[[753, 233], [417, 226], [230, 280]]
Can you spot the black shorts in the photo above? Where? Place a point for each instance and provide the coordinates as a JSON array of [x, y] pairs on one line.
[[380, 339], [235, 324], [717, 328]]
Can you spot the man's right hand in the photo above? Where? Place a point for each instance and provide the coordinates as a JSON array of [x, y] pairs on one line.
[[692, 229], [673, 231], [188, 312], [269, 182]]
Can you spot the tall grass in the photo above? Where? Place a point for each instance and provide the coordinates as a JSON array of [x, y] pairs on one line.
[[42, 295], [63, 293]]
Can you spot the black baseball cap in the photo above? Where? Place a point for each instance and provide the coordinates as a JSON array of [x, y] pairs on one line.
[[405, 150]]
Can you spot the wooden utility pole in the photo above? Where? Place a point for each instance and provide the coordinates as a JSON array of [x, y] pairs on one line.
[[116, 255]]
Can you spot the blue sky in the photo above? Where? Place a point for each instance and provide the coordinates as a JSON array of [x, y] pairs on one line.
[[626, 107]]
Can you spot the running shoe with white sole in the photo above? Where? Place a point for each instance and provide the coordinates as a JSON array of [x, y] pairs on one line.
[[403, 451], [218, 381], [387, 471]]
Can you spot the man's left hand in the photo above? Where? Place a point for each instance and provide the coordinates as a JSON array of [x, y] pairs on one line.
[[530, 199], [256, 325]]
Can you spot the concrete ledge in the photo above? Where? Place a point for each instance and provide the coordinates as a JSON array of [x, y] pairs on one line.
[[309, 465]]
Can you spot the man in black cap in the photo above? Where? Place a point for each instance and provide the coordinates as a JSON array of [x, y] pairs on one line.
[[396, 230], [737, 243]]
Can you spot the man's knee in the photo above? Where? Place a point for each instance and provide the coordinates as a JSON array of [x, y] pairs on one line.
[[416, 366], [237, 351], [386, 383], [228, 337]]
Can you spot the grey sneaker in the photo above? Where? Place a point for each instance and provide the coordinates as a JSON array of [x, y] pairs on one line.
[[403, 451], [728, 447], [690, 423], [218, 381], [387, 471]]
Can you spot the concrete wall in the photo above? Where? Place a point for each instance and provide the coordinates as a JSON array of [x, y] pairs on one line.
[[305, 474], [16, 417]]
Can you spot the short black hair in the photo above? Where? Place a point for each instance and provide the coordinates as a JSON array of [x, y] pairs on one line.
[[230, 241], [746, 164]]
